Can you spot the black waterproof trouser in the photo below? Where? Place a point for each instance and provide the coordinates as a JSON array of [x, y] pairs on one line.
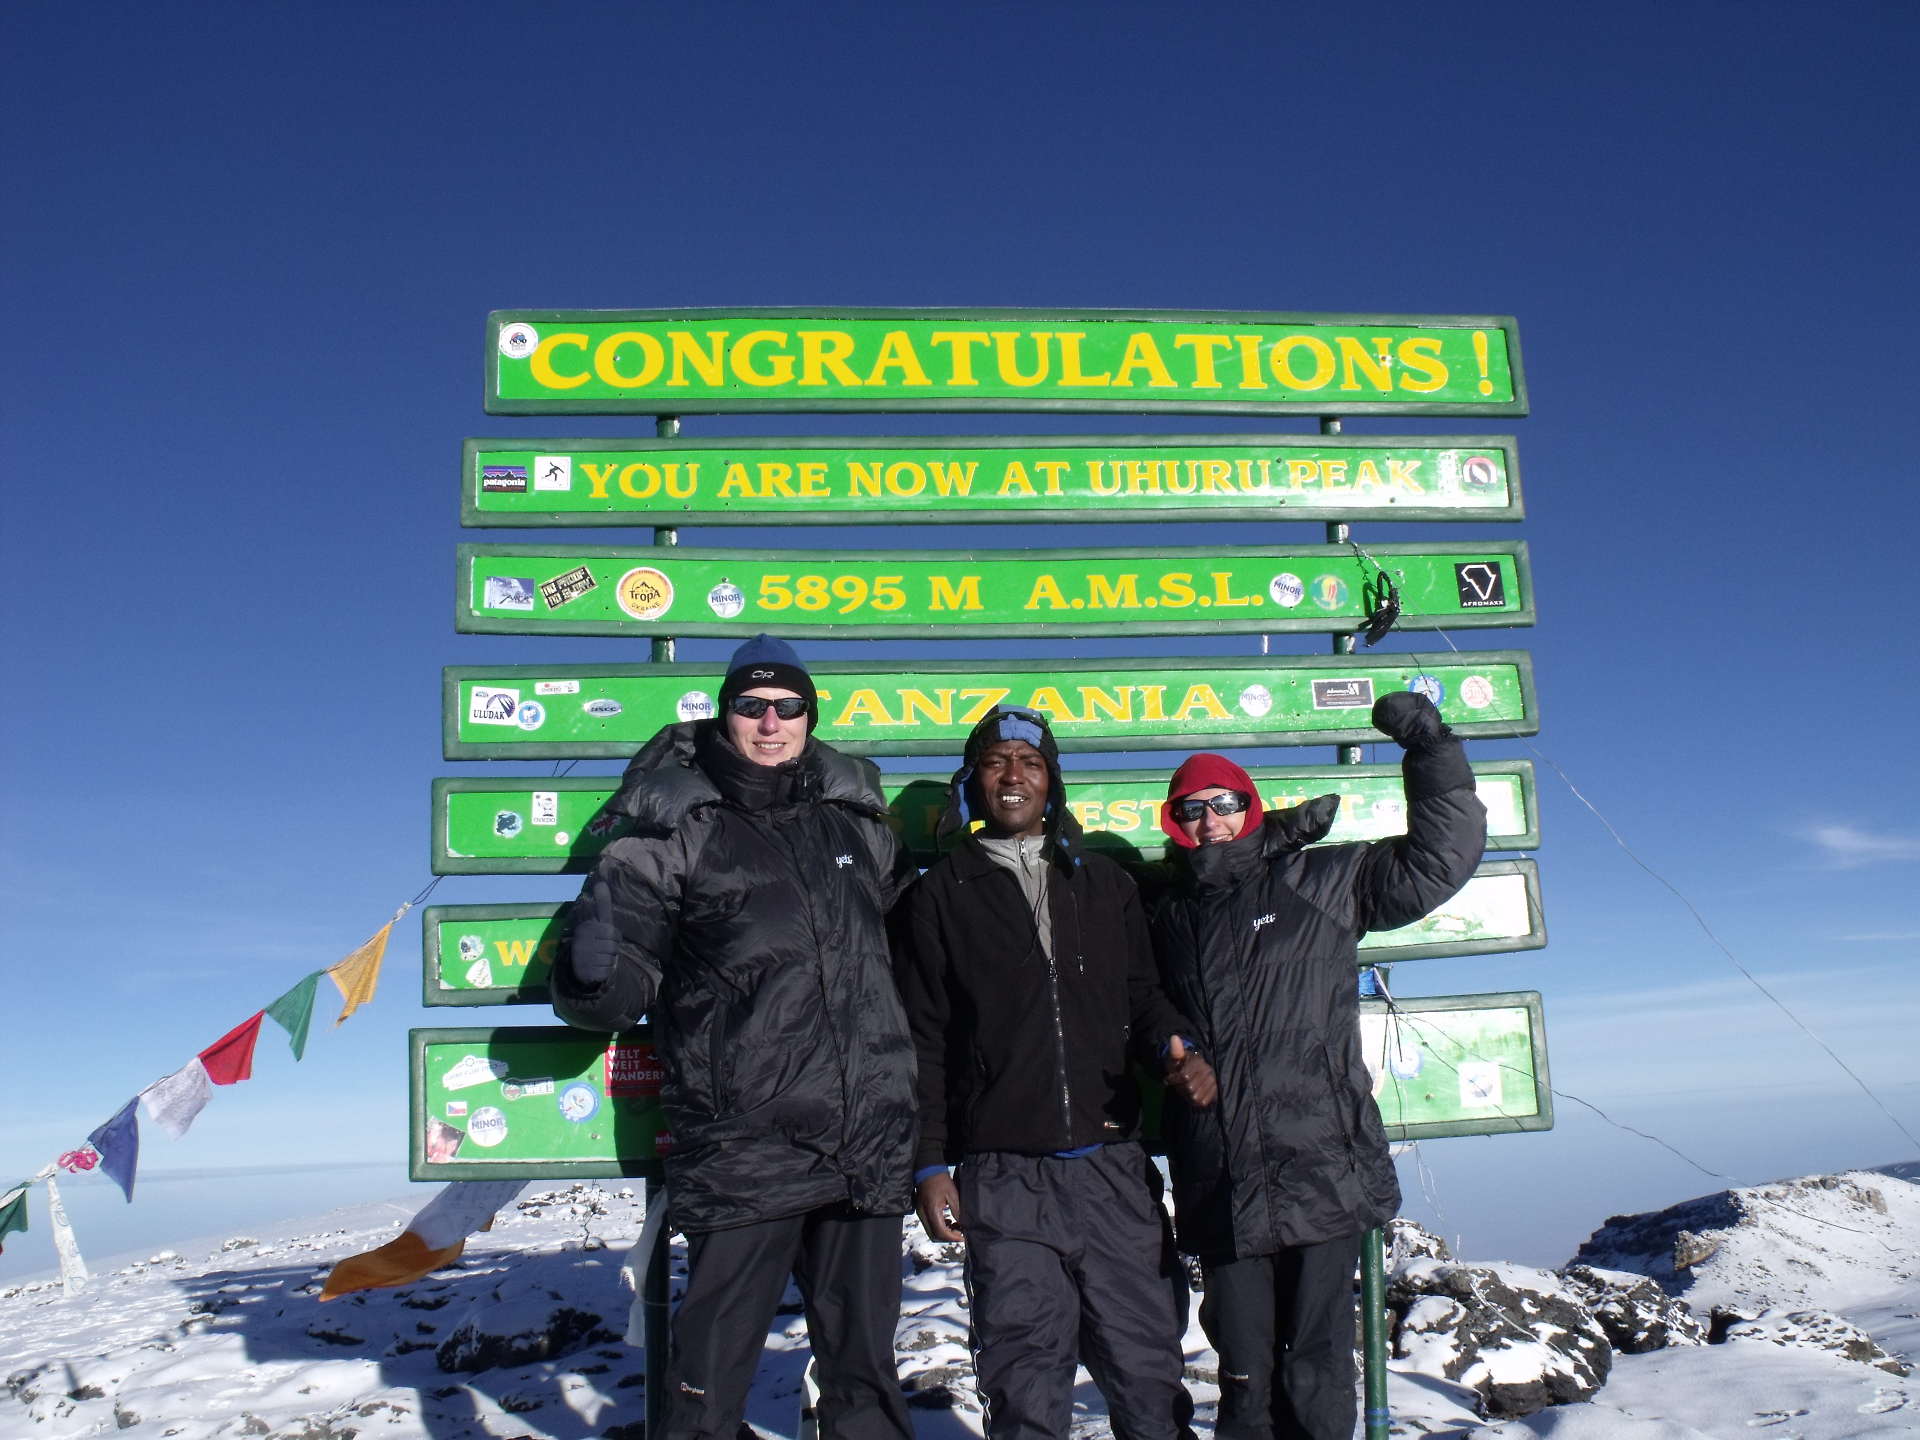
[[1283, 1326], [1071, 1259], [848, 1269]]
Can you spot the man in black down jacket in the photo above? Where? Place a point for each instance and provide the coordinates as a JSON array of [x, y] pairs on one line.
[[1029, 981], [1275, 1184], [747, 912]]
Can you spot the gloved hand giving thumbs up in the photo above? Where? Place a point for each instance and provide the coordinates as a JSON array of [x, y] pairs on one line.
[[593, 947]]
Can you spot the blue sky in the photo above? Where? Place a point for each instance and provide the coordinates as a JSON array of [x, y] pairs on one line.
[[252, 250]]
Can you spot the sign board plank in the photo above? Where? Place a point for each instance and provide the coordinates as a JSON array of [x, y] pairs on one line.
[[708, 361], [601, 590], [599, 711], [534, 1101], [838, 480], [1458, 1064], [521, 825], [502, 954]]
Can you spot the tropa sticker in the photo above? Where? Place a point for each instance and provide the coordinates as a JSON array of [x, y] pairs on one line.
[[518, 340], [1287, 590], [553, 472], [570, 586], [473, 1070], [509, 592], [726, 600], [644, 593], [487, 1126], [696, 705], [546, 807], [1256, 700]]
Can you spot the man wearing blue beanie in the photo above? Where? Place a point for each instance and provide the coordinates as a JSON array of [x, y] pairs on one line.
[[746, 912]]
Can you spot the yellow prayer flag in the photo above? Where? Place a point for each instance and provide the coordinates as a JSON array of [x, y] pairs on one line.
[[358, 974], [401, 1261]]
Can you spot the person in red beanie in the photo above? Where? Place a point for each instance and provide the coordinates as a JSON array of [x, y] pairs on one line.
[[1257, 943]]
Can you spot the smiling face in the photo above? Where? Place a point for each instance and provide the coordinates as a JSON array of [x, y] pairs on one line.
[[768, 740], [1012, 777], [1211, 829]]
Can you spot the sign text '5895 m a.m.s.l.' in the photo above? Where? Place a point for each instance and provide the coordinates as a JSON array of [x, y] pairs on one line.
[[694, 361], [530, 589]]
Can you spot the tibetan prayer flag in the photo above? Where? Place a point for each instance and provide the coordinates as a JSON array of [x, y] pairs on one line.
[[293, 1013], [172, 1102], [73, 1266], [432, 1241], [357, 975], [229, 1059], [118, 1142], [13, 1212]]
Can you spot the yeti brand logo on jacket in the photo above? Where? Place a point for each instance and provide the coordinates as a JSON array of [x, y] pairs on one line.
[[1260, 920], [843, 861]]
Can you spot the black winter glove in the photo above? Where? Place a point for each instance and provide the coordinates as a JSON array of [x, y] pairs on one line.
[[1410, 719], [593, 946], [1436, 761]]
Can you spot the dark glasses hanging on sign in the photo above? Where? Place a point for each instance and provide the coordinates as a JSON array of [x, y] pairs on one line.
[[1231, 803], [787, 707]]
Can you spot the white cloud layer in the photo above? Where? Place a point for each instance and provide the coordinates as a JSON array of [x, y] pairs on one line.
[[1850, 845]]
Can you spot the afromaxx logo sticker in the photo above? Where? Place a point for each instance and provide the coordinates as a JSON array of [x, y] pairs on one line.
[[1481, 585]]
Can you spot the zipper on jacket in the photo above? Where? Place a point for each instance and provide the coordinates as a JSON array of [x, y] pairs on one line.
[[1053, 994], [826, 996]]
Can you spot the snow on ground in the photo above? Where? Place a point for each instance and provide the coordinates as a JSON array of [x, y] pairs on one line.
[[523, 1337]]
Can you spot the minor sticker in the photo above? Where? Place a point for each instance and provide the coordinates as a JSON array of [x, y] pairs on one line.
[[726, 600], [1476, 692], [443, 1140], [480, 974], [1431, 686], [1329, 591], [506, 823], [487, 1126], [602, 708], [1256, 700], [1480, 584], [696, 705], [546, 807], [531, 715], [523, 1089], [488, 706], [1480, 1085], [1342, 694], [503, 479], [556, 687], [579, 1102], [644, 593], [509, 592], [1287, 590], [518, 340], [473, 1070], [553, 472], [569, 586]]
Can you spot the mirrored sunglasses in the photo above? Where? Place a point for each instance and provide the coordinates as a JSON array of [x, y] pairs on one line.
[[1231, 803], [787, 707]]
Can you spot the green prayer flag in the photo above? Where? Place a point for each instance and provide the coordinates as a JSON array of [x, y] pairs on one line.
[[293, 1012], [13, 1213]]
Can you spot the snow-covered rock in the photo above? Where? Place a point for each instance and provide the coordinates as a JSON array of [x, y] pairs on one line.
[[1810, 1329], [1636, 1314], [1519, 1338]]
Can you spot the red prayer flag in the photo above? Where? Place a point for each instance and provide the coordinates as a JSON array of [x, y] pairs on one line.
[[230, 1058]]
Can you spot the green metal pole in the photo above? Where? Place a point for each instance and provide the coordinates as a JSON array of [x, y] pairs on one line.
[[654, 1300], [1373, 1250]]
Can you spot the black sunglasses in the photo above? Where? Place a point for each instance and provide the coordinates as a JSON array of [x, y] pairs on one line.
[[1231, 803], [787, 707]]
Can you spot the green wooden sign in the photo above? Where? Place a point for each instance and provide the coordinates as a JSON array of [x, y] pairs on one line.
[[974, 479], [687, 362], [1458, 1064], [555, 590], [553, 712], [538, 1101], [1496, 911], [539, 826]]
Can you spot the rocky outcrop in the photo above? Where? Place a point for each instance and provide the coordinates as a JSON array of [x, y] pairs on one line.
[[1633, 1311]]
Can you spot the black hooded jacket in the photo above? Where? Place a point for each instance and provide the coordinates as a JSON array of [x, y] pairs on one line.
[[1257, 942], [751, 903], [1016, 1052]]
